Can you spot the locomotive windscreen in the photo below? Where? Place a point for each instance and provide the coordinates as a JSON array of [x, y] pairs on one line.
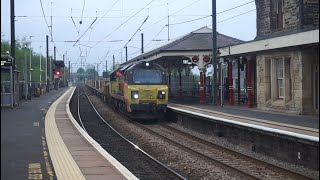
[[147, 76]]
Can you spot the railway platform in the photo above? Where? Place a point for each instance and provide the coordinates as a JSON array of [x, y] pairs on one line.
[[41, 140], [300, 124], [22, 133]]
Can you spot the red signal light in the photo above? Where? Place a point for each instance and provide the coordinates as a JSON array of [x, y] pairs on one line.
[[118, 73], [58, 73]]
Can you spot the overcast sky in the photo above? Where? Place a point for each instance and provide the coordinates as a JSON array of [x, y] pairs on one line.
[[112, 32]]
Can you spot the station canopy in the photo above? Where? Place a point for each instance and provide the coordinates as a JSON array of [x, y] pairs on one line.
[[195, 43]]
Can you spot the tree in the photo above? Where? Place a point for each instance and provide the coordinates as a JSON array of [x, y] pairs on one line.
[[91, 73], [81, 74], [20, 57]]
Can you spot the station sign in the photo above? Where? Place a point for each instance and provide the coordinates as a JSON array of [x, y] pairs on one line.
[[6, 62]]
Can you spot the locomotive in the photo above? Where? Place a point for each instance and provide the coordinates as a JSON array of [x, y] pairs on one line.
[[139, 90]]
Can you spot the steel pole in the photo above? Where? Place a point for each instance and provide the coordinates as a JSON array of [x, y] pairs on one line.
[[64, 72], [222, 85], [25, 73], [141, 43], [214, 49], [13, 46], [40, 66], [30, 69], [47, 66], [126, 53]]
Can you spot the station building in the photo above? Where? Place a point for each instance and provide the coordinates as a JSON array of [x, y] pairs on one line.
[[277, 71], [284, 56]]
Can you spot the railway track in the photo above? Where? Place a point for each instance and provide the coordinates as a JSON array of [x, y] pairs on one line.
[[130, 155], [245, 166], [241, 164]]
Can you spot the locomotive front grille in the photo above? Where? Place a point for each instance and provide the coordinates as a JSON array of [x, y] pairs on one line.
[[147, 95]]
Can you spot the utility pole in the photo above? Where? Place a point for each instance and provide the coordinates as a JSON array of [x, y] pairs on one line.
[[56, 83], [69, 73], [47, 66], [30, 60], [141, 43], [64, 74], [13, 38], [50, 63], [25, 73], [168, 22], [54, 53], [51, 24], [107, 67], [113, 64], [126, 53], [94, 73], [13, 43], [214, 50], [98, 71], [40, 66]]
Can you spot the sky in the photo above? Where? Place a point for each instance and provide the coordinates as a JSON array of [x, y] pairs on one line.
[[107, 25]]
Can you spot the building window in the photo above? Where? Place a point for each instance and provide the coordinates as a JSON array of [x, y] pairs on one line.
[[280, 77], [277, 15]]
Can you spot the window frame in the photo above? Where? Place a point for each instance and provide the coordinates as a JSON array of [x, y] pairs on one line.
[[280, 78], [275, 17]]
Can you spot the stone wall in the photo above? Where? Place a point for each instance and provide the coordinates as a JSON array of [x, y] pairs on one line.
[[310, 16], [263, 17], [291, 15], [297, 16], [310, 56], [266, 82], [299, 92]]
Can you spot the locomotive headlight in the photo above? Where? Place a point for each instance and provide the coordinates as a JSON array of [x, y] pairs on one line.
[[161, 94], [134, 94]]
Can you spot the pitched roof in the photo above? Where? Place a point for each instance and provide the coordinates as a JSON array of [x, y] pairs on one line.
[[198, 40]]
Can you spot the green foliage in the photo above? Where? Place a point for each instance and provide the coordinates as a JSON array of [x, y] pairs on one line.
[[91, 73], [24, 53], [81, 71]]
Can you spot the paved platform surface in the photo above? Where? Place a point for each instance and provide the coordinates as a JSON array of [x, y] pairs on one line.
[[297, 120], [23, 148], [75, 155]]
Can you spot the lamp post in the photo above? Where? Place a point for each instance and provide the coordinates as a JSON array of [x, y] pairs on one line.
[[30, 60], [25, 73], [217, 58], [40, 66], [221, 60]]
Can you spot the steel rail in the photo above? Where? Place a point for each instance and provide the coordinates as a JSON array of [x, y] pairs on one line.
[[135, 146]]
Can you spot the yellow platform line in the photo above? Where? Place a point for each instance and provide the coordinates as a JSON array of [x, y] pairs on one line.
[[64, 165]]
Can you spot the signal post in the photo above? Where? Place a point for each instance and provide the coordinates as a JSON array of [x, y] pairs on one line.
[[201, 61]]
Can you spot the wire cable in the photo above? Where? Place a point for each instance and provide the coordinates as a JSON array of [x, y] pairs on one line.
[[123, 23], [106, 12], [45, 16], [171, 14], [155, 36], [189, 20], [85, 32], [236, 16], [235, 7], [136, 31]]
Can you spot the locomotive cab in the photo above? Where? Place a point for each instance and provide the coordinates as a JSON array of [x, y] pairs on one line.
[[139, 89]]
